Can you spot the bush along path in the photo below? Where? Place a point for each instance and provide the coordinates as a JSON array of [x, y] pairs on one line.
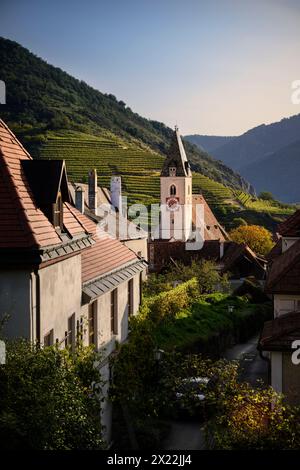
[[192, 329]]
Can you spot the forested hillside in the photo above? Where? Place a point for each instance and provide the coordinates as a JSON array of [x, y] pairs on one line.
[[42, 98]]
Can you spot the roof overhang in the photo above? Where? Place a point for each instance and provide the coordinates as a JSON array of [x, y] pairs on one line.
[[14, 258], [94, 289]]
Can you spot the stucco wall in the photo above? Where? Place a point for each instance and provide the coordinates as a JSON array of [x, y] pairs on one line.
[[285, 304], [60, 294], [106, 341], [15, 303], [290, 379], [137, 246]]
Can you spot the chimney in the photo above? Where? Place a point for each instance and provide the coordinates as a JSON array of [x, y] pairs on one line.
[[116, 193], [93, 189], [79, 199], [221, 250]]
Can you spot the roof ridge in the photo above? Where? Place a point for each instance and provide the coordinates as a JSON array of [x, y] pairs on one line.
[[15, 138], [12, 188]]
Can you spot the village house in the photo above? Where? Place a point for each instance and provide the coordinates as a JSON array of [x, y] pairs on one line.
[[106, 206], [62, 279], [186, 216], [279, 334]]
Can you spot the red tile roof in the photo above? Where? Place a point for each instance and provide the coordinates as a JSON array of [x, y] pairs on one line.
[[106, 255], [284, 272], [212, 229], [22, 223]]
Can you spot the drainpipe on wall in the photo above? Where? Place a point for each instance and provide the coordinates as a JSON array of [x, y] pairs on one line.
[[38, 307]]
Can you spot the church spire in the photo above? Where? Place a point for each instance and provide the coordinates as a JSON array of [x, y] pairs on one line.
[[176, 158]]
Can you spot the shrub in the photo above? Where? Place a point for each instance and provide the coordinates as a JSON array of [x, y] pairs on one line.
[[256, 419], [168, 304], [47, 400], [252, 290]]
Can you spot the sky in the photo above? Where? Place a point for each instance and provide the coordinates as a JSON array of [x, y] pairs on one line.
[[216, 67]]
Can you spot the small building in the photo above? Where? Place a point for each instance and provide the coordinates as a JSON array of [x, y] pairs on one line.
[[283, 284], [62, 279]]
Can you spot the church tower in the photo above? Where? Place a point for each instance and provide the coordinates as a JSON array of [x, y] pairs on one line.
[[176, 193]]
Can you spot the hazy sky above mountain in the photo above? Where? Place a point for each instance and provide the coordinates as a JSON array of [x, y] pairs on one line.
[[211, 66]]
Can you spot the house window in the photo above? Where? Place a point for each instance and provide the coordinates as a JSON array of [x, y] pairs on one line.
[[58, 213], [189, 189], [130, 297], [92, 323], [173, 190], [79, 330], [70, 333], [172, 171], [49, 339], [114, 312]]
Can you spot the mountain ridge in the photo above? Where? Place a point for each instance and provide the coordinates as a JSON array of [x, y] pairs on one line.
[[254, 153]]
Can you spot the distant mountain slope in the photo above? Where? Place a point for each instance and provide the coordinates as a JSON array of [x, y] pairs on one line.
[[207, 143], [278, 173], [42, 98], [259, 143]]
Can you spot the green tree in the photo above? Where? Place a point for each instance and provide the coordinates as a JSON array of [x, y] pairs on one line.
[[49, 399], [267, 196], [256, 419], [205, 271], [257, 238]]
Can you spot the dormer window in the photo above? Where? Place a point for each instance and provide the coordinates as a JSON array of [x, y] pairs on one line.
[[58, 212], [173, 190], [172, 171]]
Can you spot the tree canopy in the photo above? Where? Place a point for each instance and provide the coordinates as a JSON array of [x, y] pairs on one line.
[[257, 238]]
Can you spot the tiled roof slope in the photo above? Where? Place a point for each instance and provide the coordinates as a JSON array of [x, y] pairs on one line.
[[212, 229], [106, 255], [280, 277], [279, 334], [22, 224], [291, 226]]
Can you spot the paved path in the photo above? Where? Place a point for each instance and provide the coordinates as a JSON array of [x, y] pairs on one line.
[[185, 435], [253, 367], [188, 435]]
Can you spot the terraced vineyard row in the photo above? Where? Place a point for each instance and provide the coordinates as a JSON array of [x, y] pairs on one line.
[[262, 205], [140, 170]]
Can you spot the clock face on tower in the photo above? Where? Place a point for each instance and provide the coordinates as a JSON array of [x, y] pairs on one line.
[[172, 203]]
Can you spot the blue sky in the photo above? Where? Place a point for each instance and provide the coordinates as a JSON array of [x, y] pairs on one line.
[[213, 67]]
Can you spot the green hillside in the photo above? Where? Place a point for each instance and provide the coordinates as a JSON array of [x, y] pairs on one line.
[[42, 98], [57, 116], [140, 169]]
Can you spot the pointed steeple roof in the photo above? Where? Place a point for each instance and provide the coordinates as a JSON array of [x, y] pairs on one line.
[[176, 157]]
